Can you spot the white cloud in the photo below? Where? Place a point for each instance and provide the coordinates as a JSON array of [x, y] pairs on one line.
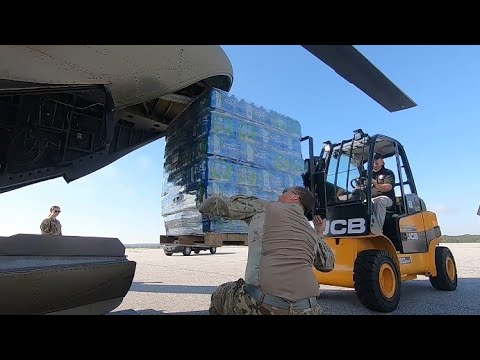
[[125, 190], [440, 209], [144, 161], [109, 170], [83, 180]]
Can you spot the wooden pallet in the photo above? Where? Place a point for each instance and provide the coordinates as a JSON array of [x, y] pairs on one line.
[[208, 239], [216, 239]]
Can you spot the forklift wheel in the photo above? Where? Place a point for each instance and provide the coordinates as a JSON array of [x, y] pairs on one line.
[[446, 278], [377, 280]]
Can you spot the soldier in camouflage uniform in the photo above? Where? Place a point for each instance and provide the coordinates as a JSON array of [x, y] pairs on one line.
[[233, 298], [51, 225]]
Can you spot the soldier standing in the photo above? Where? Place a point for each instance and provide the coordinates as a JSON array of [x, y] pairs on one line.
[[51, 225]]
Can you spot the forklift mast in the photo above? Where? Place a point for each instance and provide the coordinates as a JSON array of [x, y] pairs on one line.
[[314, 179]]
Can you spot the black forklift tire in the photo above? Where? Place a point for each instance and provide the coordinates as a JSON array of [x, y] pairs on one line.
[[213, 250], [377, 280], [187, 251], [446, 278]]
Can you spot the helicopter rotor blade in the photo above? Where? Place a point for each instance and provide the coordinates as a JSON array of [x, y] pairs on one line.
[[350, 64]]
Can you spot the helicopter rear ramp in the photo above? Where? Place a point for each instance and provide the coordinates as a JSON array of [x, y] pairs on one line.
[[43, 274]]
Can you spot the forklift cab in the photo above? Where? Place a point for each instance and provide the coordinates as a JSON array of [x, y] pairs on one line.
[[341, 180]]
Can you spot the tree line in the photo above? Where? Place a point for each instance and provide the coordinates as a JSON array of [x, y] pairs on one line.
[[461, 239]]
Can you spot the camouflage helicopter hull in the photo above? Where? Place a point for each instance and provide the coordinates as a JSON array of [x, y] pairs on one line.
[[42, 274]]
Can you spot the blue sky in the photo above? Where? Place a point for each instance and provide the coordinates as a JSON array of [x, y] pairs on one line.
[[441, 137]]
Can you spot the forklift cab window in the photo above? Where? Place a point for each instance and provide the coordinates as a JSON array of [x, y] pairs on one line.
[[339, 187], [391, 164]]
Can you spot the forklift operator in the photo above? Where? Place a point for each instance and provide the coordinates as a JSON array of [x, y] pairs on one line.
[[383, 195]]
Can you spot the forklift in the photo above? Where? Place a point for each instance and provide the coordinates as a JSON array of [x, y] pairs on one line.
[[375, 265]]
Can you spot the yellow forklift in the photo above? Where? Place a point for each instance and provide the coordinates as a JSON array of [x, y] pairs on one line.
[[375, 263]]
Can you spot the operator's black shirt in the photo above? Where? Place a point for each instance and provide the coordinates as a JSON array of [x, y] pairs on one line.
[[383, 176]]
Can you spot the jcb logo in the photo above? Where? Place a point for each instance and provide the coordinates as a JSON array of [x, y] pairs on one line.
[[412, 236], [341, 226]]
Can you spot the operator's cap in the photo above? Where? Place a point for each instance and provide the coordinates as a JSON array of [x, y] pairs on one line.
[[377, 156]]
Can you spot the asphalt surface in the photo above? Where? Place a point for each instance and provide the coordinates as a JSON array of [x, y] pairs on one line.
[[181, 285]]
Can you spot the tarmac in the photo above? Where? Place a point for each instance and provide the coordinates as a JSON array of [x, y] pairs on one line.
[[182, 285]]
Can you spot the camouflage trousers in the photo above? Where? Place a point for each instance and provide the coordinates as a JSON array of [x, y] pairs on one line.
[[231, 299]]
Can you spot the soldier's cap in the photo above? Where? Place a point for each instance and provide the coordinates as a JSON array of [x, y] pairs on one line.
[[377, 156]]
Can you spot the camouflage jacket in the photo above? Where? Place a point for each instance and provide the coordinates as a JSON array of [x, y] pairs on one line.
[[252, 210], [324, 256], [249, 209], [51, 226]]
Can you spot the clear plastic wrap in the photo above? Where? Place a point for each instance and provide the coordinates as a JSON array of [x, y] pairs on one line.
[[222, 145]]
